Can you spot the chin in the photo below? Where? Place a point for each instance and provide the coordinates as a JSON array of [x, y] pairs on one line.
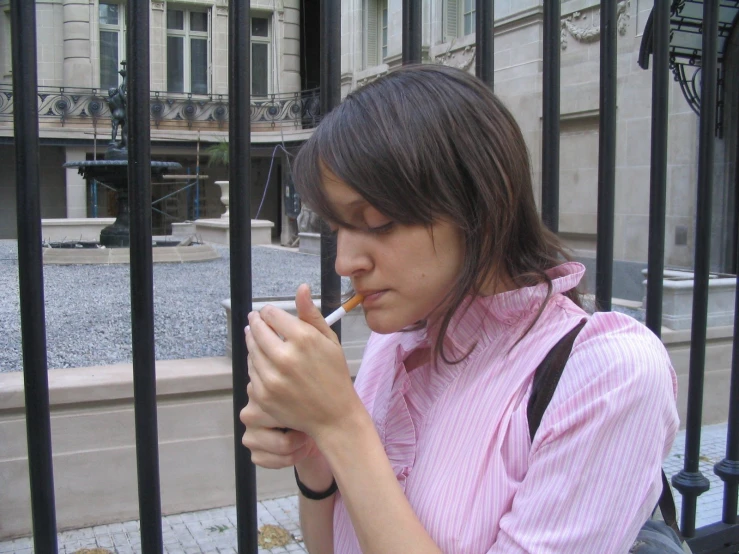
[[384, 324], [381, 325]]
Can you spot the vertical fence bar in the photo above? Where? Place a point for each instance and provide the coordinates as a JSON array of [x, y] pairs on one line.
[[239, 133], [330, 98], [31, 274], [606, 156], [484, 41], [142, 279], [550, 117], [728, 468], [658, 167], [412, 31], [690, 481]]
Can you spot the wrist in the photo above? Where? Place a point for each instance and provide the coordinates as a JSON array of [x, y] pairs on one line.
[[340, 439], [315, 473], [311, 494]]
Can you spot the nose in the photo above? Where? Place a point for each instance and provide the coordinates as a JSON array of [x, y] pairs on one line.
[[352, 255]]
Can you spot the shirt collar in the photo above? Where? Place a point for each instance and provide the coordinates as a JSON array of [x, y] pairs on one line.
[[483, 317]]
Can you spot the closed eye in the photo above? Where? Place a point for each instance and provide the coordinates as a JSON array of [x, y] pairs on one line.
[[381, 229]]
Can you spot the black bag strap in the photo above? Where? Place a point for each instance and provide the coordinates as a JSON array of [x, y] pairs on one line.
[[546, 379]]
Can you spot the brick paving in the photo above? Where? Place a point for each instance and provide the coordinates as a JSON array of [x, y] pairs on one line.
[[204, 532], [712, 450], [214, 531]]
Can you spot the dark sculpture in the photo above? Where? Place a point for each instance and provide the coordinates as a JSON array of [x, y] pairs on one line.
[[117, 103], [113, 170]]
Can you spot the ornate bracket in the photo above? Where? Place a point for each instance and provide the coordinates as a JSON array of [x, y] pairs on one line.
[[448, 58], [592, 34]]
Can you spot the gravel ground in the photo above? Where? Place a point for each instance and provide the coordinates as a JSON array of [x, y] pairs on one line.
[[88, 317]]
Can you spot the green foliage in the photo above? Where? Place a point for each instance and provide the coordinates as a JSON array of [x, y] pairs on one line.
[[217, 153], [218, 528]]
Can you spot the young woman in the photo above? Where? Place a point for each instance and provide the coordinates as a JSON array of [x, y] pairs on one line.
[[424, 177]]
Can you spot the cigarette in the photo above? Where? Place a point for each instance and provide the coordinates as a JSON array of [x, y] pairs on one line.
[[344, 309]]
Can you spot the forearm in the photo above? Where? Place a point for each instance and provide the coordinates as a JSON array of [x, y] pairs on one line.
[[317, 516], [383, 520]]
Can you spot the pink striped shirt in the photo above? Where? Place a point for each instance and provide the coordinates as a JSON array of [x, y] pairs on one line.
[[458, 440]]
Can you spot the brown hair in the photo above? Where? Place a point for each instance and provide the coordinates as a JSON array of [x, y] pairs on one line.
[[429, 142]]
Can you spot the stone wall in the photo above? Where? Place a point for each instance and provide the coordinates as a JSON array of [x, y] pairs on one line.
[[518, 81], [93, 439], [51, 181], [92, 426]]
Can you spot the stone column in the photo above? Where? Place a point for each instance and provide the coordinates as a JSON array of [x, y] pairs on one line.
[[76, 186], [219, 40], [289, 46], [77, 44], [158, 47]]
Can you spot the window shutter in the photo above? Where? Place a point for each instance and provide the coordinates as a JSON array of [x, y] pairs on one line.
[[210, 51], [451, 15], [370, 30]]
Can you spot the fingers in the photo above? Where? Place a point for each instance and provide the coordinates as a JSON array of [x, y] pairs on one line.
[[252, 415], [274, 442], [274, 461], [270, 447], [308, 312], [264, 335], [254, 361]]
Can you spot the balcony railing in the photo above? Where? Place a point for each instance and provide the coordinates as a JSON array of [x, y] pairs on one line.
[[65, 105]]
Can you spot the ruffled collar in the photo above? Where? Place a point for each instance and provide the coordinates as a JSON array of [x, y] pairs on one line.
[[483, 317]]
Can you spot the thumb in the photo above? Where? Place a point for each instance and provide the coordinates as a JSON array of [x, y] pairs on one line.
[[308, 312]]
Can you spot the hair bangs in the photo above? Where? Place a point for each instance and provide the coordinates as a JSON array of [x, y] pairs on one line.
[[361, 144]]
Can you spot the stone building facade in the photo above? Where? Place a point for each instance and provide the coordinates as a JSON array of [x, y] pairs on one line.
[[77, 38], [371, 46], [80, 46]]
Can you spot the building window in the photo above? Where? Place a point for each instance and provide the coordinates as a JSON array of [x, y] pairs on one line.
[[375, 32], [5, 57], [260, 58], [456, 12], [468, 16], [111, 17], [383, 31], [188, 33]]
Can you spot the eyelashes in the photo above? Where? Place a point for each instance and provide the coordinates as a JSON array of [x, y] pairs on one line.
[[378, 230], [381, 229]]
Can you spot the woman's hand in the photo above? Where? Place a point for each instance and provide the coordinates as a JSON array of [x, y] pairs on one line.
[[270, 446], [297, 368]]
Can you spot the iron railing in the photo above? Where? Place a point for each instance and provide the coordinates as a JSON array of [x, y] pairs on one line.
[[721, 537], [70, 105]]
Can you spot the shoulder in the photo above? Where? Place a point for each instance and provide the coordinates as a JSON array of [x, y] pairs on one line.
[[616, 342], [616, 365]]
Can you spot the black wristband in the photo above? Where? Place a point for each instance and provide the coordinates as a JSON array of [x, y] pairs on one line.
[[311, 494]]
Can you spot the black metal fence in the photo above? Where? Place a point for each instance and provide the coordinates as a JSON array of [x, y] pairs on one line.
[[721, 537]]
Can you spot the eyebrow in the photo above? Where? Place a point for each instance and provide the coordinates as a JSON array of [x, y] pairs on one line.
[[351, 207], [356, 202]]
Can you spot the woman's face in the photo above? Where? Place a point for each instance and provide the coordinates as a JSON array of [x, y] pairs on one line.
[[402, 271]]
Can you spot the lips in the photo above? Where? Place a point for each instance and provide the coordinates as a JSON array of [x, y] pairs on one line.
[[371, 296]]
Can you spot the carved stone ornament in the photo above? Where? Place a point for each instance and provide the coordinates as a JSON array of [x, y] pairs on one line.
[[308, 221], [159, 6], [587, 35], [461, 59], [369, 79]]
